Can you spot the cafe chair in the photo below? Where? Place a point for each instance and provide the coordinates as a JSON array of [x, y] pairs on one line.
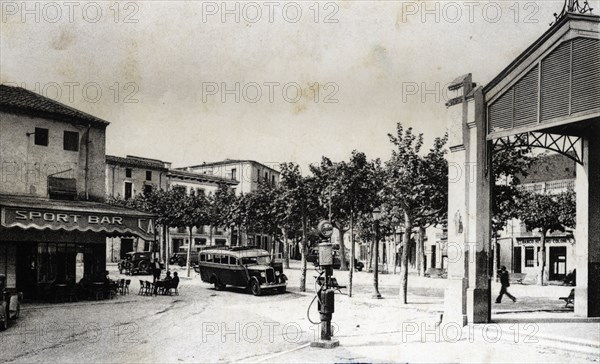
[[172, 289], [126, 286], [142, 290]]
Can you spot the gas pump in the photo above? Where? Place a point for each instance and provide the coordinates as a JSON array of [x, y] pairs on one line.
[[327, 287]]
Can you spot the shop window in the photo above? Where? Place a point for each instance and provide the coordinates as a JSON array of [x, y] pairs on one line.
[[71, 141], [529, 256], [200, 241], [128, 172], [41, 137], [148, 175], [233, 173]]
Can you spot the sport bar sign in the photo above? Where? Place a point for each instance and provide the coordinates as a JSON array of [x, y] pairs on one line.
[[112, 223]]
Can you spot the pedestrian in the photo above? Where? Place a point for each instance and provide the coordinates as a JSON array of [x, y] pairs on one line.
[[156, 270], [504, 281]]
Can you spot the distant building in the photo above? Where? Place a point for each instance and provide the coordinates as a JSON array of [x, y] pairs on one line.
[[518, 248], [126, 178], [202, 236], [249, 173]]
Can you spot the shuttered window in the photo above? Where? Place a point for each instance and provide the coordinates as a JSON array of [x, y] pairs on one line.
[[501, 112], [586, 75], [526, 99], [570, 83], [556, 82]]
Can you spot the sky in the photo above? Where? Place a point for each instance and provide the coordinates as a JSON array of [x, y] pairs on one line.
[[199, 81]]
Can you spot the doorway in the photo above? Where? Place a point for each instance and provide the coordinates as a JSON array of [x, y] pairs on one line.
[[558, 263], [517, 259]]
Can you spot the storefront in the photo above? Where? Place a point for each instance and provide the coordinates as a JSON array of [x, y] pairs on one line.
[[48, 242]]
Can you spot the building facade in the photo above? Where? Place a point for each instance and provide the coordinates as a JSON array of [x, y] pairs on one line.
[[202, 236], [127, 177], [517, 248], [54, 221], [249, 174]]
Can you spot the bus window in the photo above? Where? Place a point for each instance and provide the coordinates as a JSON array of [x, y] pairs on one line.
[[232, 261], [209, 258], [202, 257]]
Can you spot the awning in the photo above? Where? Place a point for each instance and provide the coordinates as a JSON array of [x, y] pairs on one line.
[[42, 214]]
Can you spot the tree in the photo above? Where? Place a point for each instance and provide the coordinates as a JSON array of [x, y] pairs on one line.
[[411, 182], [548, 213], [299, 193], [190, 211]]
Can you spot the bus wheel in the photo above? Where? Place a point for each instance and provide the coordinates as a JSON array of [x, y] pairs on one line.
[[255, 287], [219, 286]]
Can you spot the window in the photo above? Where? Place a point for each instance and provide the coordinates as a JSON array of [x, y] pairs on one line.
[[232, 261], [200, 241], [233, 173], [266, 177], [273, 180], [41, 136], [147, 190], [128, 190], [148, 175], [202, 258], [529, 258], [71, 141], [128, 172]]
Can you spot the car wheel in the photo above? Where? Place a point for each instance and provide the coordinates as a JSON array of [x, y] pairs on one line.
[[255, 287], [143, 265], [219, 286]]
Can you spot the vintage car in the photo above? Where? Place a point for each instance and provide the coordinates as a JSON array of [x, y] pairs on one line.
[[137, 263], [246, 267], [180, 258], [10, 303]]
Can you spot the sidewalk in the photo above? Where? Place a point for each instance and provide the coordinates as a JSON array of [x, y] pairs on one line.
[[537, 328]]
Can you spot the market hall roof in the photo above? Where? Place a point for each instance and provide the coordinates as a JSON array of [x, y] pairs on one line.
[[28, 212], [22, 101]]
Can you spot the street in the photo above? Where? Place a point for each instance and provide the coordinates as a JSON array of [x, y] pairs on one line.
[[204, 325]]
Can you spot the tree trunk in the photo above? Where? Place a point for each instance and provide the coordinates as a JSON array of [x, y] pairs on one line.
[[239, 235], [421, 252], [210, 235], [370, 253], [343, 264], [352, 254], [286, 249], [541, 281], [303, 257], [404, 259], [189, 253], [395, 250]]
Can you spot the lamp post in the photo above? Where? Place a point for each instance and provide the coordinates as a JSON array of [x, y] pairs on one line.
[[376, 217]]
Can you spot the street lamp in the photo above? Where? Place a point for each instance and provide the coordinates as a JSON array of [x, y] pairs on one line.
[[376, 217]]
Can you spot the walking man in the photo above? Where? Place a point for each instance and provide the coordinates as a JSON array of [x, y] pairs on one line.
[[156, 270], [504, 281]]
